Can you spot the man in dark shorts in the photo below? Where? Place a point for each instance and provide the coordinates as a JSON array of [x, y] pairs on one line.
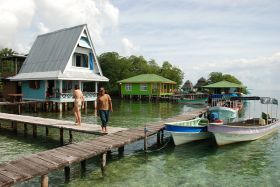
[[104, 106]]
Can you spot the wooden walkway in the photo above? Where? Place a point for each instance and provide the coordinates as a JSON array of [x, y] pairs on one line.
[[53, 123], [42, 163]]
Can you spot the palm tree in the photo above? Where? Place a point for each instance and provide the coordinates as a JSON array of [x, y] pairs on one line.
[[6, 52]]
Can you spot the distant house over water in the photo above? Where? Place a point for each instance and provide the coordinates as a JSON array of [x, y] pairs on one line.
[[200, 83], [187, 87], [147, 85], [224, 86], [56, 63], [10, 66]]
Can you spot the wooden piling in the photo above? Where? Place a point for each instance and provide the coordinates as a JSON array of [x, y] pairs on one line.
[[103, 163], [83, 166], [121, 151], [47, 131], [67, 173], [19, 108], [44, 181], [25, 129], [70, 136], [145, 140], [162, 136], [158, 139], [61, 136], [34, 131], [14, 125]]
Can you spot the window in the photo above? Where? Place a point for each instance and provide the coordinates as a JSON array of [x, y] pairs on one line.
[[34, 84], [128, 87], [144, 87], [80, 60]]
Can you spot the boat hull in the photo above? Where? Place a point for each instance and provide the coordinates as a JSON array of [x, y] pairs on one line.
[[225, 134], [187, 132], [186, 137]]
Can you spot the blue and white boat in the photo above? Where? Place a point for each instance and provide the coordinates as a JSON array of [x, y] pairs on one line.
[[187, 131]]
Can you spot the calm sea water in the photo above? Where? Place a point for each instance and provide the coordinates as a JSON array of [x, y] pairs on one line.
[[196, 164]]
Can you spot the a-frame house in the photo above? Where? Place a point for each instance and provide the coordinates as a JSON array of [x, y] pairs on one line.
[[56, 63]]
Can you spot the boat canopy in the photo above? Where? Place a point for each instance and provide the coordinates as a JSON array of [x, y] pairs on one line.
[[263, 100], [268, 100], [245, 98]]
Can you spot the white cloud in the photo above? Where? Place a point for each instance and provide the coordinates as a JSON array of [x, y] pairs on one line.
[[129, 47], [99, 14], [14, 16], [38, 17], [42, 28], [257, 73]]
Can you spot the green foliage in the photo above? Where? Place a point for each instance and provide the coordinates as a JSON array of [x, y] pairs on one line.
[[6, 52], [218, 76], [116, 67], [215, 77]]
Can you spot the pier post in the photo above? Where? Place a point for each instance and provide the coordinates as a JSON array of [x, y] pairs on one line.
[[44, 181], [14, 126], [61, 136], [70, 136], [67, 173], [19, 110], [83, 166], [34, 131], [59, 107], [47, 131], [25, 129], [121, 151], [162, 136], [158, 139], [103, 163], [35, 107], [145, 140]]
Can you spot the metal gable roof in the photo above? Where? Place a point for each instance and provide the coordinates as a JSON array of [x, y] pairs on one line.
[[144, 78], [51, 51], [224, 84]]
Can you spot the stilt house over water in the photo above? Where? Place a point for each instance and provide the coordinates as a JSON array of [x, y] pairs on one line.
[[56, 63], [150, 85]]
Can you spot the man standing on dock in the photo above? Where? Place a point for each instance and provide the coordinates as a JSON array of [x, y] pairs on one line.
[[104, 106]]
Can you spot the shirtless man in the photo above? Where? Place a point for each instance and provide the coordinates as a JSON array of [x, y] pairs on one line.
[[79, 100], [104, 106]]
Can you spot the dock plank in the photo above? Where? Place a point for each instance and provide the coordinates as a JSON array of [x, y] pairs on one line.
[[18, 175], [54, 123], [5, 181]]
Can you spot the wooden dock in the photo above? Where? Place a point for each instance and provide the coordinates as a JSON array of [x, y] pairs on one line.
[[62, 125], [42, 163]]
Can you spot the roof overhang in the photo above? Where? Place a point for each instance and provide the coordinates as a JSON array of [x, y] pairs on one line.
[[57, 75]]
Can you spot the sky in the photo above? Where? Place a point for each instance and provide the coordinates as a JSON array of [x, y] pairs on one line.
[[238, 37]]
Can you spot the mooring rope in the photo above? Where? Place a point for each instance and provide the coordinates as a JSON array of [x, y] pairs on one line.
[[159, 149]]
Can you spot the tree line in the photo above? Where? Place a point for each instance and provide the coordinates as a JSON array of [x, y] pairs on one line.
[[116, 67]]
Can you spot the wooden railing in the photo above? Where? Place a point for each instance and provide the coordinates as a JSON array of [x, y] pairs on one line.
[[87, 95]]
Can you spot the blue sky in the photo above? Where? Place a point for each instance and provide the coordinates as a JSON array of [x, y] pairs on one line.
[[239, 37]]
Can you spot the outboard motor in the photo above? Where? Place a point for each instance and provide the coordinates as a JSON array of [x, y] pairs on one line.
[[214, 116]]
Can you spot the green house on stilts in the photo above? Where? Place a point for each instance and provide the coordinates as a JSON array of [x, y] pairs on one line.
[[147, 85]]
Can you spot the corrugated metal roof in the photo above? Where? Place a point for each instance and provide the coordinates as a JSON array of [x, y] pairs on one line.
[[144, 78], [51, 51]]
